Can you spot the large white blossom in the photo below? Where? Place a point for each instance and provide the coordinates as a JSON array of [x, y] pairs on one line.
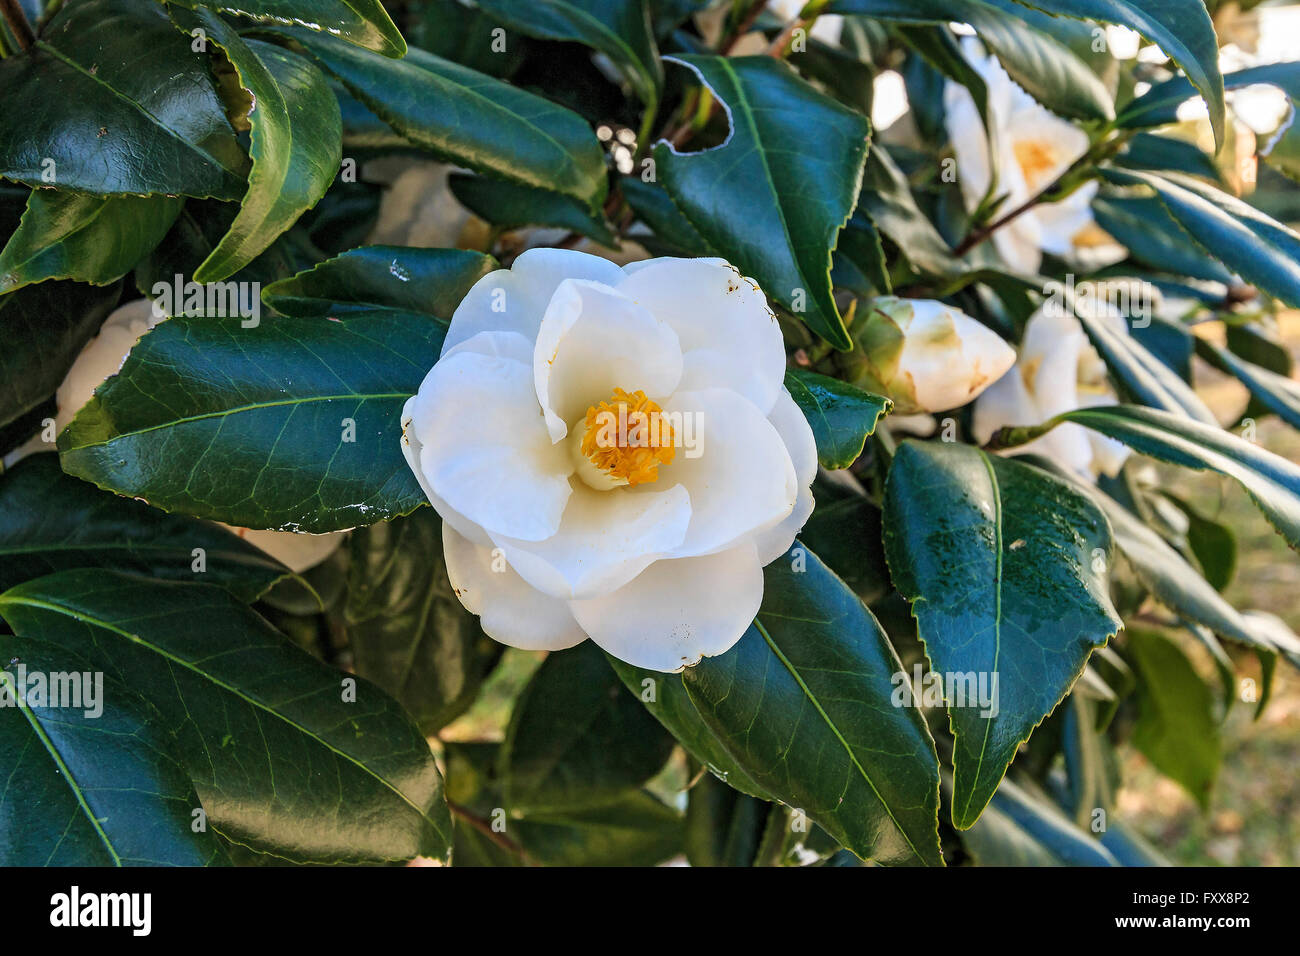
[[1033, 148], [101, 358], [1057, 371], [648, 539]]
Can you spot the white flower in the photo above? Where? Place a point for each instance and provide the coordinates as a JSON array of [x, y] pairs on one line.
[[1058, 371], [102, 357], [650, 538], [1033, 148], [927, 356]]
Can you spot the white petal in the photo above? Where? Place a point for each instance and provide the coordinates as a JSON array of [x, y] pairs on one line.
[[509, 610], [102, 357], [296, 551], [735, 465], [605, 539], [411, 452], [677, 611], [483, 446], [515, 299], [788, 419], [593, 339], [729, 336]]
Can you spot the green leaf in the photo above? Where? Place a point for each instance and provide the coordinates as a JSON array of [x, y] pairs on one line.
[[372, 279], [1006, 571], [888, 203], [1023, 828], [723, 826], [50, 522], [1168, 154], [295, 143], [804, 705], [1213, 544], [407, 629], [1140, 373], [126, 122], [1280, 394], [510, 206], [771, 198], [363, 22], [844, 531], [294, 424], [842, 416], [618, 28], [655, 208], [1177, 726], [44, 328], [1273, 483], [1261, 250], [1181, 28], [66, 235], [282, 760], [1154, 238], [471, 119], [86, 788], [1044, 67], [577, 738], [637, 830]]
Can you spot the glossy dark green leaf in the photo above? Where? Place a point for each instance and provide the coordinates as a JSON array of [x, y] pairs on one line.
[[1153, 237], [1177, 726], [1006, 570], [67, 235], [90, 785], [577, 737], [1045, 68], [844, 531], [294, 424], [655, 208], [771, 198], [842, 416], [804, 704], [1263, 251], [407, 629], [635, 830], [723, 826], [1272, 482], [126, 122], [471, 119], [1140, 373], [44, 328], [295, 142], [50, 522], [1280, 394], [1024, 828], [1168, 154], [666, 698], [285, 759], [379, 278], [363, 22], [511, 206], [1213, 544], [888, 203], [1181, 28], [618, 28]]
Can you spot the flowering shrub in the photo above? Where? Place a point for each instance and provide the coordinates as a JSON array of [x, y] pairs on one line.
[[813, 360]]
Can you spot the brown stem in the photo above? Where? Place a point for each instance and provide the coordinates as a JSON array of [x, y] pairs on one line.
[[18, 25], [484, 827], [742, 27], [778, 47], [979, 235]]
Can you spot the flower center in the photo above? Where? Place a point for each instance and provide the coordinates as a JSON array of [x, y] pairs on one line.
[[625, 441], [1037, 160]]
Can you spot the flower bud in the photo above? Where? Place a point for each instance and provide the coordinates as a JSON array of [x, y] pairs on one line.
[[926, 356]]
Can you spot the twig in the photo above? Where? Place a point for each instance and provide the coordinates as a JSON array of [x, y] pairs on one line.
[[18, 25], [742, 27], [484, 827]]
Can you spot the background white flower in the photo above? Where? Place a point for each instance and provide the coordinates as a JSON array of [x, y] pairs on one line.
[[1033, 148], [1058, 370], [654, 550]]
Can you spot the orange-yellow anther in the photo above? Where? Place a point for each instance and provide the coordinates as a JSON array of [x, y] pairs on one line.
[[628, 437]]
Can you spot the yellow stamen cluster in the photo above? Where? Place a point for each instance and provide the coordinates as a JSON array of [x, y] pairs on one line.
[[628, 437]]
